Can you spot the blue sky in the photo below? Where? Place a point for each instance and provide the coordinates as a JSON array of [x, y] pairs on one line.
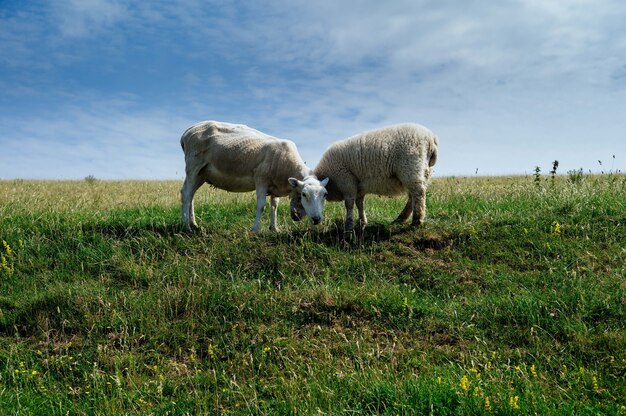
[[106, 88]]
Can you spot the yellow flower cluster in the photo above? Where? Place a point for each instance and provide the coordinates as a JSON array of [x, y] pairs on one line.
[[556, 228], [29, 375], [473, 384], [465, 384], [514, 402], [533, 371], [7, 265]]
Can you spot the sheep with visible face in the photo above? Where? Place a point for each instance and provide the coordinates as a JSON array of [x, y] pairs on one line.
[[237, 158], [388, 161]]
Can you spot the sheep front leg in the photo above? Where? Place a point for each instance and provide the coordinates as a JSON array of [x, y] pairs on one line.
[[261, 197], [274, 205], [418, 200]]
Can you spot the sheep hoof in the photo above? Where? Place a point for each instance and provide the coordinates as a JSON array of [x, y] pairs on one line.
[[416, 223], [191, 228]]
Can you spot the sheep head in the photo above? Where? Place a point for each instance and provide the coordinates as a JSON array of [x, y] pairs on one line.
[[307, 198]]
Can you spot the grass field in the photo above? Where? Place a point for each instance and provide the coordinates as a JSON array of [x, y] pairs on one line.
[[511, 299]]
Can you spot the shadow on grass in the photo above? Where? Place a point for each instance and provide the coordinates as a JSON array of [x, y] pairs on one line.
[[332, 235], [124, 231], [52, 311]]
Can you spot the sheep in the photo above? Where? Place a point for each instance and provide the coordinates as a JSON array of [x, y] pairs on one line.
[[237, 158], [388, 161]]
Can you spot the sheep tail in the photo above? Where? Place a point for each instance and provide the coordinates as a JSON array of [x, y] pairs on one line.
[[432, 159]]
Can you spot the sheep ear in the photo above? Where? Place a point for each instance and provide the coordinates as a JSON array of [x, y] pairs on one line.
[[324, 182], [295, 184]]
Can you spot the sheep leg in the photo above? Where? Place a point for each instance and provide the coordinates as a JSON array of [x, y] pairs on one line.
[[418, 200], [349, 226], [190, 186], [261, 199], [359, 205], [274, 205], [406, 212]]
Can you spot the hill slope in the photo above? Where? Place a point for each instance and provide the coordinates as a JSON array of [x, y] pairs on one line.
[[510, 299]]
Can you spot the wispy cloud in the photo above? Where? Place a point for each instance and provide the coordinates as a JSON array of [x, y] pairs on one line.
[[80, 18], [506, 85], [107, 140]]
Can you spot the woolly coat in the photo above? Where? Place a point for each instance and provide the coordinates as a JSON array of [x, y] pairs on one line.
[[388, 161], [237, 158]]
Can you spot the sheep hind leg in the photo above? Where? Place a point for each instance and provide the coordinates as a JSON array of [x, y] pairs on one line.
[[187, 192], [261, 200], [406, 212], [360, 207], [418, 200], [349, 226]]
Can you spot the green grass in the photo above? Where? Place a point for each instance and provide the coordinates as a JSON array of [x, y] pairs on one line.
[[511, 299]]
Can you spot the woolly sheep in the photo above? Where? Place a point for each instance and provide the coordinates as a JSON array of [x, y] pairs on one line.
[[237, 158], [388, 161]]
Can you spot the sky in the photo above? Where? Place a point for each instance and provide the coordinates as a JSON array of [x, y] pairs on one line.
[[106, 88]]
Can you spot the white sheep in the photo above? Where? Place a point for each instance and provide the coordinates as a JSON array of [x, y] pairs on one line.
[[388, 161], [237, 158]]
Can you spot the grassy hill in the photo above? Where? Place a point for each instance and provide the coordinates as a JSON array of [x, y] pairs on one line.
[[511, 299]]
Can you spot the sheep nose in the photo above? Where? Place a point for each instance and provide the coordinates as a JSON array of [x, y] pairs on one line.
[[316, 220]]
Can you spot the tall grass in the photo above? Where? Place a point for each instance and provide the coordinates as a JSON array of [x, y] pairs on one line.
[[509, 300]]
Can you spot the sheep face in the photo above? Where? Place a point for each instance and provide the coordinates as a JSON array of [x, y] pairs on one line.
[[307, 198]]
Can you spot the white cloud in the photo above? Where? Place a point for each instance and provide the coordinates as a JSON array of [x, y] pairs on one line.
[[515, 76], [504, 84], [108, 140], [79, 18]]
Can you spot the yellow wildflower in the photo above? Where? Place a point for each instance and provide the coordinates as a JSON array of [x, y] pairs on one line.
[[211, 351], [7, 248], [465, 384], [533, 371], [514, 402], [487, 403], [5, 266], [594, 382]]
